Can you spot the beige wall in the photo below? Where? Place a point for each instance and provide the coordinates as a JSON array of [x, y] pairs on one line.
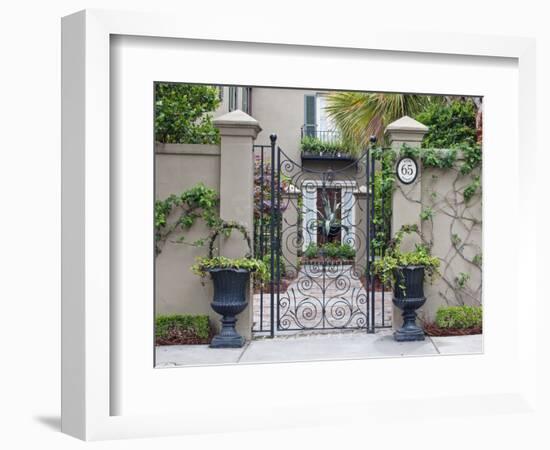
[[178, 168], [448, 205], [228, 169], [280, 111], [441, 190]]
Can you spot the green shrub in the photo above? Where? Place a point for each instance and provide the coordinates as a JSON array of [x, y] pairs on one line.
[[330, 250], [183, 113], [198, 325], [310, 144], [459, 317], [347, 251], [312, 251], [450, 124]]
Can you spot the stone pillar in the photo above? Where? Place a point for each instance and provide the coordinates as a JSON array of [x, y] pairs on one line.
[[289, 233], [238, 131], [407, 198]]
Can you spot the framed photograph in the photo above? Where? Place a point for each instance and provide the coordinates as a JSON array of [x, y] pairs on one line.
[[266, 232]]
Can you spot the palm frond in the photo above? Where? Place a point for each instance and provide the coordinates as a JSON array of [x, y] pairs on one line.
[[360, 115]]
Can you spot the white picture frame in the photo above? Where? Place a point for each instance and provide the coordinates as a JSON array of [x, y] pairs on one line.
[[88, 320]]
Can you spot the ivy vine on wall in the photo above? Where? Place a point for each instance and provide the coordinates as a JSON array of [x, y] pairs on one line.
[[459, 201], [180, 212]]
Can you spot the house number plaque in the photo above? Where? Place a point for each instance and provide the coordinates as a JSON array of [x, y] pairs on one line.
[[406, 170]]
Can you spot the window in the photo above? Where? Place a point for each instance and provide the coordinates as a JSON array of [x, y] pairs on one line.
[[247, 100], [310, 115], [232, 100], [317, 122]]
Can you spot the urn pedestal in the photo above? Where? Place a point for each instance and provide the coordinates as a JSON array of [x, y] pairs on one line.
[[408, 296], [229, 300]]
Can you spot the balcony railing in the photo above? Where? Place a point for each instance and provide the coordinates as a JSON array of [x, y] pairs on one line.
[[319, 144], [326, 136]]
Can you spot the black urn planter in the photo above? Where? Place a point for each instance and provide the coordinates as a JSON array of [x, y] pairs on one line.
[[408, 296], [229, 300]]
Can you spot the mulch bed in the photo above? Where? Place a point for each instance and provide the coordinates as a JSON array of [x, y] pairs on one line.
[[431, 329], [183, 337]]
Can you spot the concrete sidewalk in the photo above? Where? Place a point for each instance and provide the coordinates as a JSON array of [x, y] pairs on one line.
[[318, 347]]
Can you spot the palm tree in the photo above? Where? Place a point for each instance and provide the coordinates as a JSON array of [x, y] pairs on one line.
[[360, 115]]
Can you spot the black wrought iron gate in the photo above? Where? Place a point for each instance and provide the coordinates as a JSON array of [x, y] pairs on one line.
[[317, 227]]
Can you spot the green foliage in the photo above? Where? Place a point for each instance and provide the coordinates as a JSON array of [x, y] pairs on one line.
[[450, 123], [462, 280], [442, 158], [312, 251], [459, 317], [456, 239], [472, 158], [394, 259], [328, 215], [204, 264], [331, 250], [282, 266], [313, 145], [471, 189], [478, 260], [198, 325], [427, 213], [197, 202], [359, 115], [182, 113], [384, 185]]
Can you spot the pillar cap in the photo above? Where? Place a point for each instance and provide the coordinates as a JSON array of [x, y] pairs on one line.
[[237, 123], [407, 123], [406, 129]]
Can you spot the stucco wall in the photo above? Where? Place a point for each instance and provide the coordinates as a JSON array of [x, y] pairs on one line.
[[451, 226], [280, 111], [456, 233], [178, 168]]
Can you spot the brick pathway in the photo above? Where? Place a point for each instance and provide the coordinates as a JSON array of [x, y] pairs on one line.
[[334, 290]]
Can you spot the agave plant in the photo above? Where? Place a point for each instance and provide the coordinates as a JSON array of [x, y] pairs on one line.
[[328, 215]]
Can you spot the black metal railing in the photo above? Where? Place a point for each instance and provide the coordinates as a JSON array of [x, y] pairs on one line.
[[326, 136]]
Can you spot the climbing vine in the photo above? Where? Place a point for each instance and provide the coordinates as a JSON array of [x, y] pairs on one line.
[[458, 200], [198, 202]]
